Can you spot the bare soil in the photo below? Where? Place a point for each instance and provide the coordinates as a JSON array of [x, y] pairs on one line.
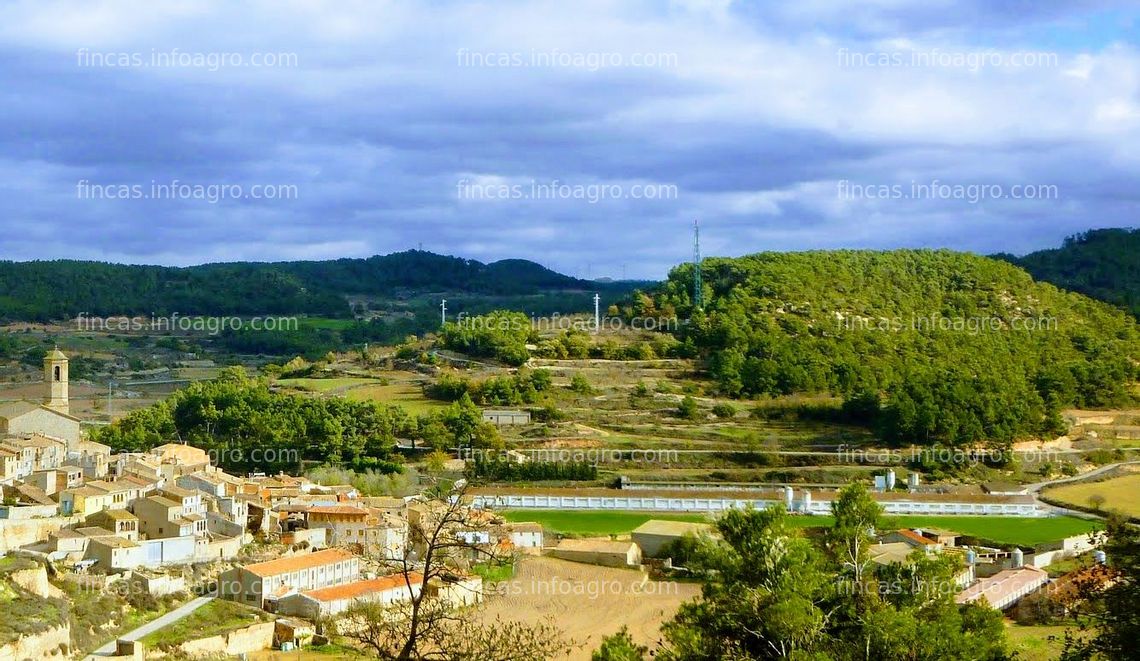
[[587, 602]]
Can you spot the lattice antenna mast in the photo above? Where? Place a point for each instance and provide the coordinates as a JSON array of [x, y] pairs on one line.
[[698, 289]]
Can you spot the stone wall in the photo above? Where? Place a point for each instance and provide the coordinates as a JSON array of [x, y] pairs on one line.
[[51, 644], [241, 641], [16, 533], [35, 580]]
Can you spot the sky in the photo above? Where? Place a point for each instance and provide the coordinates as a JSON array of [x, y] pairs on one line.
[[587, 136]]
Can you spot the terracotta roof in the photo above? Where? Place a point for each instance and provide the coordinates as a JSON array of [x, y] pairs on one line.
[[295, 563], [916, 538], [361, 588]]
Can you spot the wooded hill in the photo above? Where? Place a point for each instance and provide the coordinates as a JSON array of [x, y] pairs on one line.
[[53, 290], [1103, 264], [929, 345]]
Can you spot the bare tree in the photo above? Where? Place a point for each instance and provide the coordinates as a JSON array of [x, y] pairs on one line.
[[445, 537]]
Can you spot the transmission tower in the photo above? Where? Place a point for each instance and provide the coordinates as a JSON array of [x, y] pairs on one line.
[[698, 290]]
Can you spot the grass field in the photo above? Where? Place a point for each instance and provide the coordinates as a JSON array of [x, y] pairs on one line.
[[1033, 643], [1120, 493], [594, 523], [408, 396], [1010, 530], [324, 385]]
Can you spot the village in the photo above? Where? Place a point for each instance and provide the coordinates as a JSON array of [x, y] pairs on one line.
[[297, 555]]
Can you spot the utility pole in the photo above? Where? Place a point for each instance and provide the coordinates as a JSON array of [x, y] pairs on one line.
[[698, 288], [443, 311], [597, 316]]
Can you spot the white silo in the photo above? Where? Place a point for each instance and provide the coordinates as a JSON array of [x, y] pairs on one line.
[[789, 498], [890, 479], [807, 502], [1018, 558]]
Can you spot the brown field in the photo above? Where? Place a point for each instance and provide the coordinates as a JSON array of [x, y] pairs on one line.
[[1120, 493], [587, 602]]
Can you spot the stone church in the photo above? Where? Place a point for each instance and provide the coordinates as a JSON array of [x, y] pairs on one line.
[[52, 416]]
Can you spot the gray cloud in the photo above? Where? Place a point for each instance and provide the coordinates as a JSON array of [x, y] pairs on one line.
[[752, 123]]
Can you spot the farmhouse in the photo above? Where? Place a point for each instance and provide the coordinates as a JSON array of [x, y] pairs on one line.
[[656, 535], [526, 536], [913, 538], [371, 529], [325, 602], [257, 583], [599, 552]]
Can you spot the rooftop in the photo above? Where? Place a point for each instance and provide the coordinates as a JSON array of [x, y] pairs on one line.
[[117, 515], [296, 563], [916, 538], [890, 552], [1004, 587], [361, 588], [337, 509]]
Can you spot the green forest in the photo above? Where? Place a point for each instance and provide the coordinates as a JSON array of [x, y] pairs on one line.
[[246, 425], [1103, 264], [62, 289], [927, 345]]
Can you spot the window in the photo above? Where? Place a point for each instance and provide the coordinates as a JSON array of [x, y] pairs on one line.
[[58, 373]]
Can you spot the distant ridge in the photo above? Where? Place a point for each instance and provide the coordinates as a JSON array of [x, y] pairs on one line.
[[59, 289], [1103, 264]]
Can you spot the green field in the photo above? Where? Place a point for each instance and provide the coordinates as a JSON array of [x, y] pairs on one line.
[[408, 396], [1004, 529], [325, 385], [594, 523], [1034, 644]]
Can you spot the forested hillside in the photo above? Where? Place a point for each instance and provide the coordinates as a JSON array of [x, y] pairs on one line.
[[930, 346], [52, 290], [1104, 264]]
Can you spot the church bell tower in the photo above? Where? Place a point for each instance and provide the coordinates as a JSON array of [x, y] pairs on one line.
[[55, 381]]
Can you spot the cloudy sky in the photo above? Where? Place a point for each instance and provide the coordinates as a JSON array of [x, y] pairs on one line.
[[584, 135]]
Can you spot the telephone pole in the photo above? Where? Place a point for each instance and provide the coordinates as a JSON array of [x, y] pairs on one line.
[[597, 316], [443, 311]]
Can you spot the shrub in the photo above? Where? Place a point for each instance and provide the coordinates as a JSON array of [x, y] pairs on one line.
[[724, 410]]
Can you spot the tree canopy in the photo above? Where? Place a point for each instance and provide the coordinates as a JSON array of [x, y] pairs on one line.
[[932, 346]]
